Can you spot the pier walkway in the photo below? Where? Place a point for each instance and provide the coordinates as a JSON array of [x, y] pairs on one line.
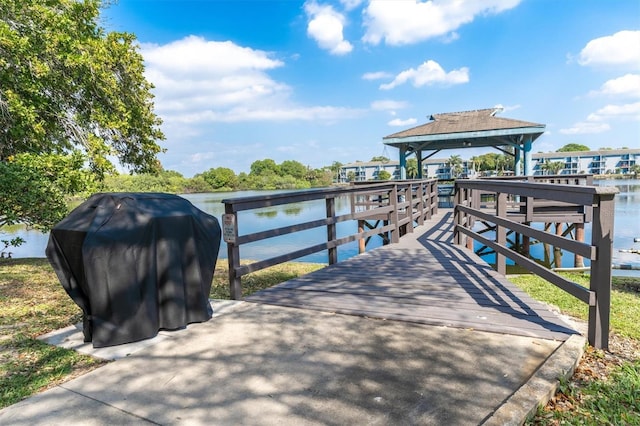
[[422, 279]]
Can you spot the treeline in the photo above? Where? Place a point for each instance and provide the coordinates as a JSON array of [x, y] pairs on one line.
[[264, 175]]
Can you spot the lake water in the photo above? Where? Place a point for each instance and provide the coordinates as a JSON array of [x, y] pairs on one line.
[[626, 228]]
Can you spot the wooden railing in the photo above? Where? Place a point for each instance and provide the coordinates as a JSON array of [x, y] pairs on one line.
[[591, 203], [400, 204]]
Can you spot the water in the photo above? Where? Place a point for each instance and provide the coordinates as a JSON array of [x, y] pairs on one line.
[[248, 222], [626, 228]]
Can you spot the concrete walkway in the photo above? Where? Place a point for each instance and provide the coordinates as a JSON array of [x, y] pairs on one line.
[[269, 365]]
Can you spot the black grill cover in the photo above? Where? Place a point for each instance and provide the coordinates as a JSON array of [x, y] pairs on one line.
[[136, 263]]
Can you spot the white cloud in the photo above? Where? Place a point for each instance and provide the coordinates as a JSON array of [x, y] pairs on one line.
[[622, 112], [585, 127], [429, 73], [388, 105], [326, 28], [621, 48], [597, 122], [351, 4], [209, 81], [378, 75], [407, 22], [626, 86], [399, 122]]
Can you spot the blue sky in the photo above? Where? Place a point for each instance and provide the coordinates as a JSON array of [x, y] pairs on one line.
[[322, 81]]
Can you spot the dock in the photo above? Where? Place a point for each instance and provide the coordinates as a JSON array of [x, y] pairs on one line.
[[425, 279]]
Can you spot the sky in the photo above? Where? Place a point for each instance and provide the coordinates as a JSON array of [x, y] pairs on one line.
[[320, 81]]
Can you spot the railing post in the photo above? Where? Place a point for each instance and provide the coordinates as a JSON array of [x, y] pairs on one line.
[[233, 254], [420, 192], [394, 219], [501, 234], [600, 282], [457, 215], [331, 229]]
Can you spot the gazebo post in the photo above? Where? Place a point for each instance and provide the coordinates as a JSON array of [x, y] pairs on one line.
[[419, 159], [517, 160], [403, 162], [528, 165]]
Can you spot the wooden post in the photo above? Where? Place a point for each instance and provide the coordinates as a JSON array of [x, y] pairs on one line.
[[457, 214], [557, 251], [600, 282], [361, 242], [420, 193], [578, 261], [331, 230], [394, 219], [501, 235], [233, 258]]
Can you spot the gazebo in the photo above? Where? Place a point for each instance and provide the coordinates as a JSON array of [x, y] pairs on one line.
[[467, 129]]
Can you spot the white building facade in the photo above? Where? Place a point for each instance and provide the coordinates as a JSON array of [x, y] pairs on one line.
[[610, 161]]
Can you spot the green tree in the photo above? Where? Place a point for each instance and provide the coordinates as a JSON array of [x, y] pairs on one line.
[[351, 176], [220, 177], [570, 147], [553, 167], [335, 169], [264, 167], [293, 168], [33, 187], [383, 175], [68, 85], [412, 168], [455, 163]]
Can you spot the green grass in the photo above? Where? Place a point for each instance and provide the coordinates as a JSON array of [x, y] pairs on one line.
[[615, 399], [32, 303], [625, 299]]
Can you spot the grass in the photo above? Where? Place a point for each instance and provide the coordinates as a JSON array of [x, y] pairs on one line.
[[32, 303], [605, 388]]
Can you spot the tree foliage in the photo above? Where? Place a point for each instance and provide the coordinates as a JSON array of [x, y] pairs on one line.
[[65, 83], [220, 178], [383, 175], [33, 188], [381, 158], [71, 94], [571, 147]]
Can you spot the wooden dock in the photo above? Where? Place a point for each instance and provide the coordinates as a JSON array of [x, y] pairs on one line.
[[424, 279]]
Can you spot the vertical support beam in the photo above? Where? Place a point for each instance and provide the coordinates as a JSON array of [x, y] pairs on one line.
[[557, 251], [420, 191], [419, 159], [233, 258], [393, 215], [501, 234], [578, 261], [362, 243], [331, 230], [517, 161], [403, 162], [528, 162], [458, 200], [600, 282]]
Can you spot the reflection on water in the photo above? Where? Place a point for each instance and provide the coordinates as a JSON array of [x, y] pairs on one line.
[[627, 226]]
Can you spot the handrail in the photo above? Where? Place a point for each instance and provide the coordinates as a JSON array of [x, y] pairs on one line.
[[399, 203], [586, 203]]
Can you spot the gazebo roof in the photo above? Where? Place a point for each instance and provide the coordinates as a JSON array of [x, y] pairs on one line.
[[466, 129]]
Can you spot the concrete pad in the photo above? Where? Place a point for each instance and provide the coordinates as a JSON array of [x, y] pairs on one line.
[[72, 337], [264, 364]]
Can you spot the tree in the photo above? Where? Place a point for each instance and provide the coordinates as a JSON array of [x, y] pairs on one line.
[[264, 167], [571, 147], [33, 187], [68, 86], [412, 168], [351, 176], [293, 168], [383, 175], [455, 163], [553, 167], [220, 177]]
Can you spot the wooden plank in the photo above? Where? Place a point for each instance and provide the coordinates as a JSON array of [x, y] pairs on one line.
[[422, 279]]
